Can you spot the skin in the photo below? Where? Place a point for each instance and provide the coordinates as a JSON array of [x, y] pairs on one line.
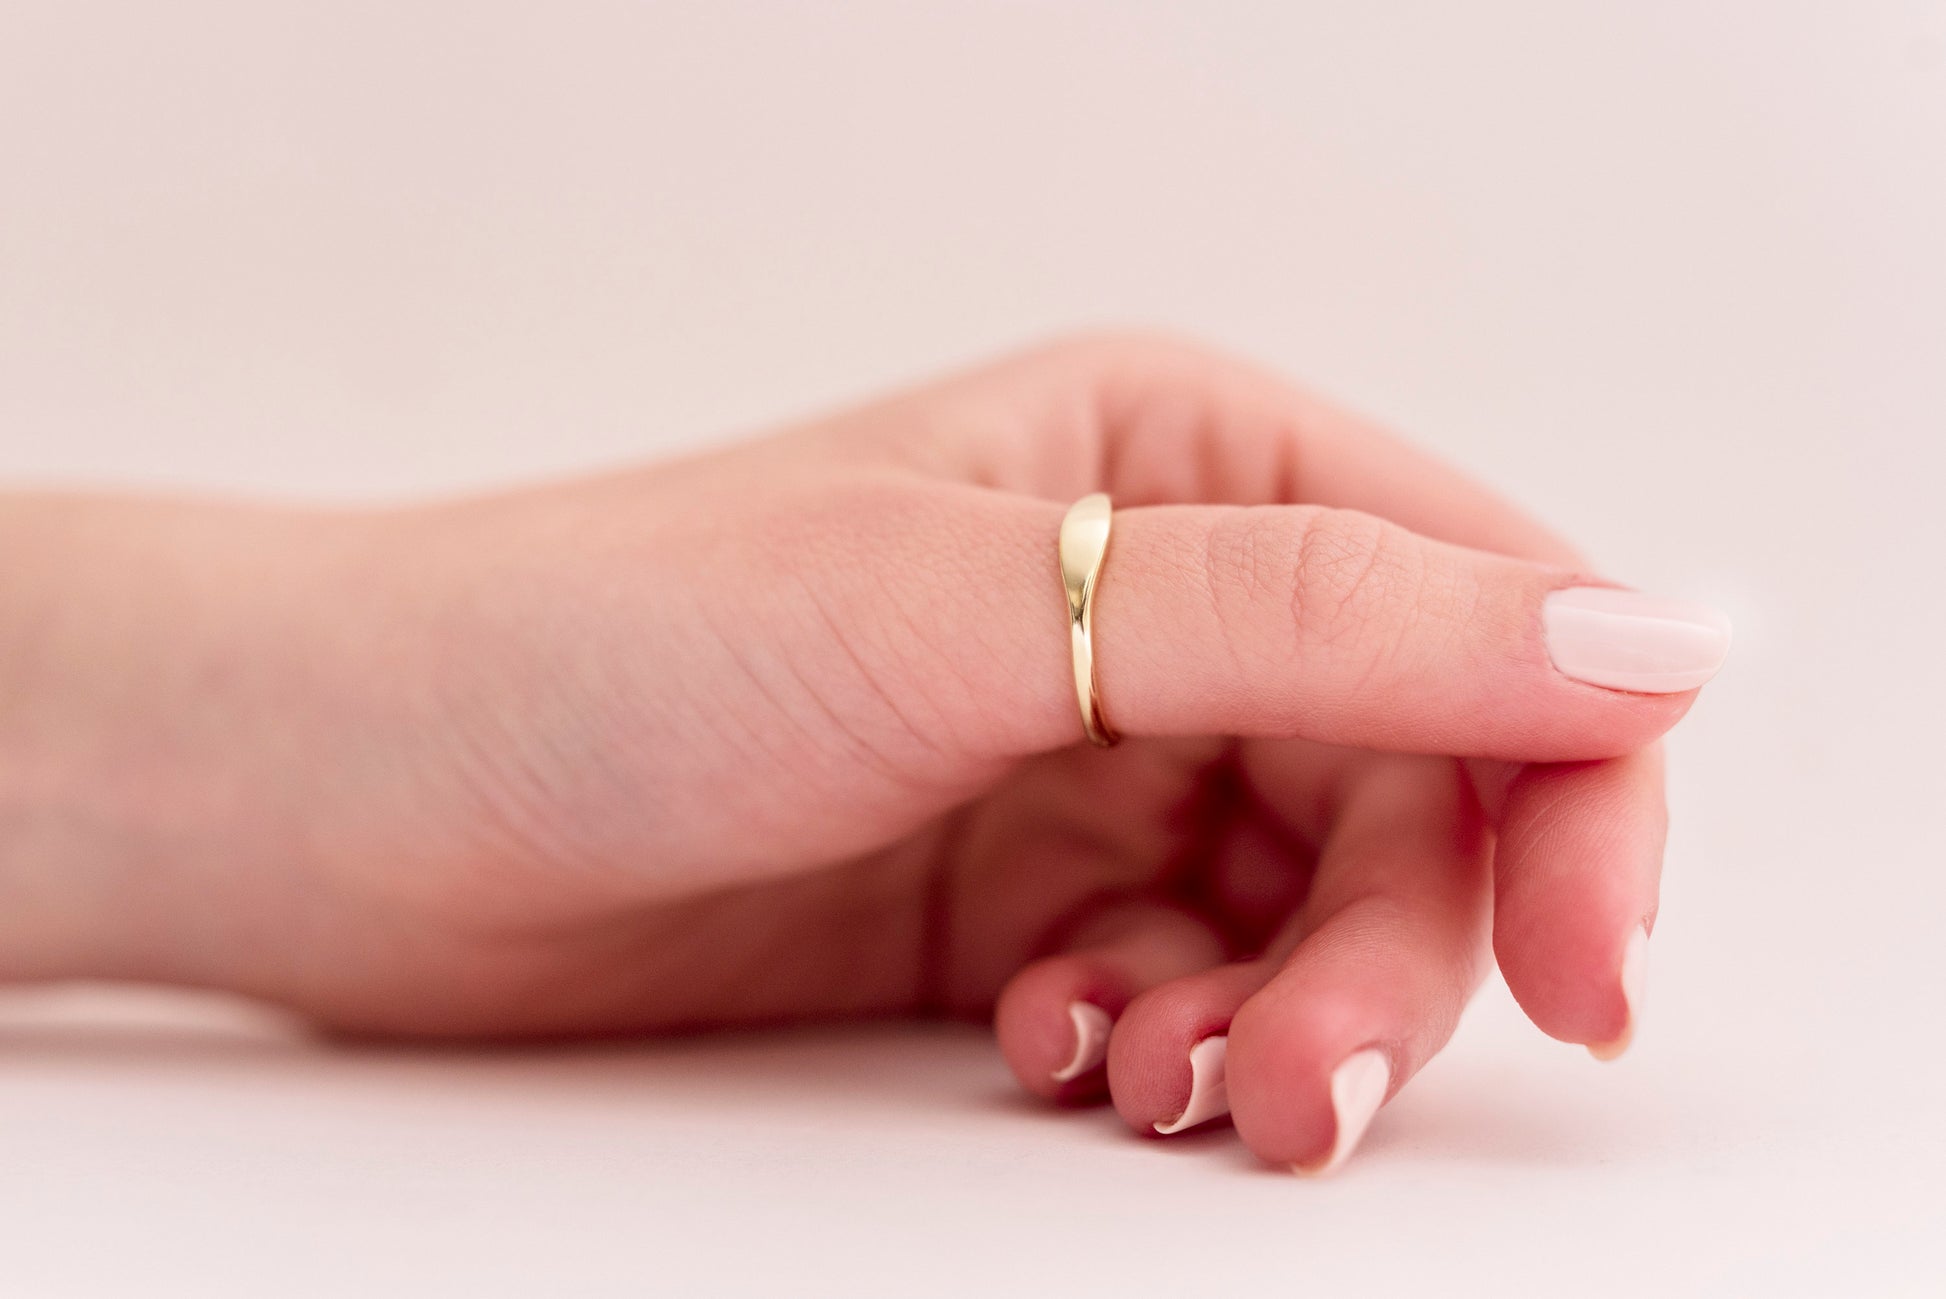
[[787, 732]]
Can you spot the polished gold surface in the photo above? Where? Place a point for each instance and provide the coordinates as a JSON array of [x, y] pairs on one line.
[[1084, 545]]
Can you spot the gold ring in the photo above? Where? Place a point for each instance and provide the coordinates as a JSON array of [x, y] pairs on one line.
[[1084, 544]]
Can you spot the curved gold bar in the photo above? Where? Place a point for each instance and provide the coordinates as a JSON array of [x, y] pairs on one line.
[[1084, 545]]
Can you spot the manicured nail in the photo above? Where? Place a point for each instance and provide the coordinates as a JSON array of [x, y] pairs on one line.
[[1357, 1090], [1209, 1098], [1091, 1025], [1634, 979], [1625, 640]]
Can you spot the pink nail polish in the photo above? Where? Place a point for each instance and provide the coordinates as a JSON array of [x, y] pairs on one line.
[[1625, 640]]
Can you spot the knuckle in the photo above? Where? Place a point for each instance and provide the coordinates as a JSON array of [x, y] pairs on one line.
[[1351, 573], [1314, 576]]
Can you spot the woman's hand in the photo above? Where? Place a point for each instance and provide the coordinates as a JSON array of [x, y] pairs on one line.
[[789, 732]]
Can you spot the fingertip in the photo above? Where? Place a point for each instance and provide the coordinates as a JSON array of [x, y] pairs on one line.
[[1572, 986], [1576, 874], [1559, 945], [1163, 1074], [1091, 1024], [1053, 1022], [1632, 983], [1057, 1019], [1624, 640], [1286, 1056], [1209, 1096], [1543, 716], [1357, 1089]]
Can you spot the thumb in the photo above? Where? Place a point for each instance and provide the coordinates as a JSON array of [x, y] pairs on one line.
[[1276, 621]]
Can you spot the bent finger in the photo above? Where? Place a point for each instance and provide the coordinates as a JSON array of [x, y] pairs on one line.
[[1167, 1058], [1393, 944], [1576, 876]]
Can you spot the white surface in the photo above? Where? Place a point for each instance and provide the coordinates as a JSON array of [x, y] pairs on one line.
[[1673, 272]]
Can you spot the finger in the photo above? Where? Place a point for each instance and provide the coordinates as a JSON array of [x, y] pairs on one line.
[[1252, 429], [1394, 940], [1169, 421], [1167, 1062], [1170, 1062], [1342, 627], [1167, 1056], [1281, 621], [1577, 871], [1054, 1017]]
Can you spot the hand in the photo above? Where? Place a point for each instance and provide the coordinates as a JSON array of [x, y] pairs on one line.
[[789, 732]]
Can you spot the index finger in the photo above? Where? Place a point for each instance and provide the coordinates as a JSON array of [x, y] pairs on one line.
[[1154, 420]]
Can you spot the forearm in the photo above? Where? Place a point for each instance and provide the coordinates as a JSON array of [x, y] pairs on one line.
[[127, 671]]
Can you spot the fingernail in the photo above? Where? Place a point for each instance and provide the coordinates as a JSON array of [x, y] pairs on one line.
[[1091, 1025], [1634, 979], [1209, 1098], [1357, 1090], [1625, 640]]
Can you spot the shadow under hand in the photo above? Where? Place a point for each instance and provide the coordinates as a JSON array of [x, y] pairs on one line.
[[923, 1071]]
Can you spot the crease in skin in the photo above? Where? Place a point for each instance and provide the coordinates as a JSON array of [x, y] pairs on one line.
[[1091, 1025], [1209, 1094]]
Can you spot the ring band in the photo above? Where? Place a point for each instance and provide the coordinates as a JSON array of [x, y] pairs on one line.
[[1084, 544]]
